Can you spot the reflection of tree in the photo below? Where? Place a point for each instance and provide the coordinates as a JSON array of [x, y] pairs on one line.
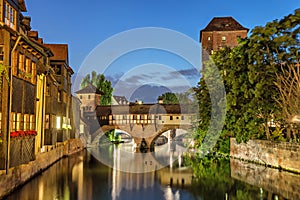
[[212, 180]]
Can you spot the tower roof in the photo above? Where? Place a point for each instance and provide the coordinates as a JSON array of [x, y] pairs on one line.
[[224, 24], [90, 89]]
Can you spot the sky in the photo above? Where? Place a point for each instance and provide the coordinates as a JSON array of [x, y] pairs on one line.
[[117, 37]]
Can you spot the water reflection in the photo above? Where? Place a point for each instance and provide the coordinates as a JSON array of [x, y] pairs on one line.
[[82, 176]]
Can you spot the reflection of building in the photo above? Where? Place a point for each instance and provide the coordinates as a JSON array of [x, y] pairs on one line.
[[180, 178], [221, 32]]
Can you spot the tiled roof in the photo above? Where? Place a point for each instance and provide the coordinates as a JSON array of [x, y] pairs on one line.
[[121, 99], [224, 24], [60, 52], [90, 89], [143, 109]]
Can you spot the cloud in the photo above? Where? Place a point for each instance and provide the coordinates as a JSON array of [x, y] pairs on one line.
[[191, 72]]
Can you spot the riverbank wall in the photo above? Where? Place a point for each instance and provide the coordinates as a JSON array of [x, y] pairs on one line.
[[281, 155], [270, 180], [17, 176]]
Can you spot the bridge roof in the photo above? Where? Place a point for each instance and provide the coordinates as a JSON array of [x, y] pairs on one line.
[[143, 109]]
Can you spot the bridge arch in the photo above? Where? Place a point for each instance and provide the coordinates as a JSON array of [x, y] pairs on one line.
[[139, 133]]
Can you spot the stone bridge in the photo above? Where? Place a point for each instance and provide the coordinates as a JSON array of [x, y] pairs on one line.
[[143, 122], [139, 133]]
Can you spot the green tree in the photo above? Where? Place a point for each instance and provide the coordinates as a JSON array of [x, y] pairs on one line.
[[102, 84], [169, 98], [250, 71]]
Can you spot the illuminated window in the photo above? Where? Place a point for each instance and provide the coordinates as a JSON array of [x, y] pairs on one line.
[[13, 120], [58, 122], [19, 122], [223, 38], [21, 62], [26, 122], [208, 38], [33, 72], [15, 63], [32, 122]]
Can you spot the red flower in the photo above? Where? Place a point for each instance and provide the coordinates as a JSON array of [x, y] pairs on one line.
[[14, 134]]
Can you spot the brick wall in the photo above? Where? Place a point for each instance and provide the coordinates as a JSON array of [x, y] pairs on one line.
[[283, 155]]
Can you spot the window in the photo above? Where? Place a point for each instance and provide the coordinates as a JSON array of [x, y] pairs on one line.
[[21, 62], [58, 96], [33, 78], [159, 117], [223, 38], [171, 117], [32, 122], [57, 69], [208, 38], [80, 97], [182, 117], [58, 122], [19, 122], [47, 122], [27, 66], [48, 90], [211, 51], [89, 96], [1, 54], [0, 123], [9, 16], [26, 122]]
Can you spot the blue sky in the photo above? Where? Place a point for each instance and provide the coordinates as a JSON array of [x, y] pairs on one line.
[[86, 24]]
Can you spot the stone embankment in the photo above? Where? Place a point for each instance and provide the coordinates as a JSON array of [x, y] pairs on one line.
[[281, 155], [17, 176]]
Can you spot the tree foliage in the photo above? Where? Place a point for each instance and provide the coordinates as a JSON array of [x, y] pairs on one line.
[[250, 72], [102, 84]]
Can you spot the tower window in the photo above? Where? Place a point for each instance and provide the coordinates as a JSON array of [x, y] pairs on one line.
[[208, 38]]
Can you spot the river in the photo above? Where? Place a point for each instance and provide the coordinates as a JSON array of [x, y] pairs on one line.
[[82, 176]]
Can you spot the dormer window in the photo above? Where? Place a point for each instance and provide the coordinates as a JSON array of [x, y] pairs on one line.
[[9, 16]]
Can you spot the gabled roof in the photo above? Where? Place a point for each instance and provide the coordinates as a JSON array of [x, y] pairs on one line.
[[90, 89], [224, 24], [60, 52], [121, 99]]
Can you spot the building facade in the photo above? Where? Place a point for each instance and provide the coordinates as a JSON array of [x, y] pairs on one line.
[[26, 69], [221, 32]]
